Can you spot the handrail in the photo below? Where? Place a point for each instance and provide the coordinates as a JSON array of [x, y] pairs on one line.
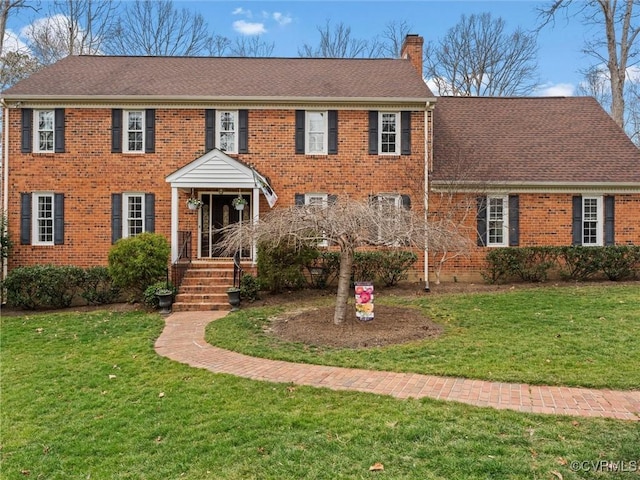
[[237, 269], [181, 265]]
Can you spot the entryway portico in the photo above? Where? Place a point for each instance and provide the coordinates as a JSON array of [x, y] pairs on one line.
[[215, 179]]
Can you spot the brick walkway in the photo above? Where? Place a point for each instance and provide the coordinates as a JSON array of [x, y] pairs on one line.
[[183, 340]]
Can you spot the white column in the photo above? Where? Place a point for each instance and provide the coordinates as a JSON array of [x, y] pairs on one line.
[[256, 217], [174, 224]]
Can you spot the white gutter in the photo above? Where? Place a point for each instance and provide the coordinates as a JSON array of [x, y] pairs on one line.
[[427, 151], [4, 169]]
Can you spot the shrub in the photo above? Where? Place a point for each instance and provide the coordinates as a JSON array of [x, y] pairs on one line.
[[324, 269], [366, 266], [620, 262], [43, 286], [579, 263], [501, 265], [149, 296], [281, 266], [249, 287], [529, 264], [394, 266], [98, 287], [137, 262]]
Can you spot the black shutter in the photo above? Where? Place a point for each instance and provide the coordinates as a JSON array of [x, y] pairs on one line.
[[25, 218], [300, 117], [482, 221], [209, 129], [150, 213], [59, 130], [332, 199], [405, 135], [116, 217], [609, 220], [406, 201], [333, 132], [577, 220], [373, 132], [116, 130], [27, 130], [150, 131], [299, 199], [243, 131], [58, 219], [514, 220]]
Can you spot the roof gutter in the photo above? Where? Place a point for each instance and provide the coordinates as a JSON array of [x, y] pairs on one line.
[[4, 174], [534, 187]]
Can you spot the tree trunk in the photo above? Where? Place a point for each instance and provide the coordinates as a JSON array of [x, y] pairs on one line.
[[344, 282]]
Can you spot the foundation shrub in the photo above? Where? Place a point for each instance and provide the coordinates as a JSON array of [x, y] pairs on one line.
[[43, 286], [98, 287]]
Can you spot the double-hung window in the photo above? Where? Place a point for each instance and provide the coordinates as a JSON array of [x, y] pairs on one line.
[[43, 218], [592, 221], [134, 131], [316, 131], [387, 205], [133, 214], [227, 131], [44, 132], [318, 200], [389, 133], [497, 221]]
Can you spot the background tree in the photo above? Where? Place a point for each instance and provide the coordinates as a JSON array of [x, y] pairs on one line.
[[336, 42], [479, 57], [14, 66], [389, 42], [251, 47], [7, 7], [155, 27], [71, 27], [616, 44], [346, 224]]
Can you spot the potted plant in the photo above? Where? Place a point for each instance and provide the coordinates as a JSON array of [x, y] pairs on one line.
[[234, 298], [239, 202], [194, 203], [165, 300]]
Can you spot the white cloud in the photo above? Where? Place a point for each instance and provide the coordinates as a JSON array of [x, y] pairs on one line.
[[282, 19], [242, 11], [633, 73], [556, 90], [12, 42], [249, 28]]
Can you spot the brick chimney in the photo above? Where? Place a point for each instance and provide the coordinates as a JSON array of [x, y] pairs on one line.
[[412, 49]]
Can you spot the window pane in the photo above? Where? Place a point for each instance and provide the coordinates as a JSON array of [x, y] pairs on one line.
[[135, 127], [45, 131], [227, 122], [45, 219], [228, 141], [134, 215], [388, 135], [590, 221], [495, 222]]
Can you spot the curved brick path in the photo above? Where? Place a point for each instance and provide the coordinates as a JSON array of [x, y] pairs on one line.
[[183, 340]]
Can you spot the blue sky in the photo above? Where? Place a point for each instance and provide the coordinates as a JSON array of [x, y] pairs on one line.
[[291, 24]]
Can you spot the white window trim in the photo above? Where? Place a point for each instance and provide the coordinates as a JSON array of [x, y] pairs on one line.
[[505, 220], [125, 212], [125, 136], [398, 132], [325, 132], [219, 130], [397, 203], [36, 131], [599, 220], [325, 202], [35, 230]]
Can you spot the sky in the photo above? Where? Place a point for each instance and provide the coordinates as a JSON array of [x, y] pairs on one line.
[[291, 24]]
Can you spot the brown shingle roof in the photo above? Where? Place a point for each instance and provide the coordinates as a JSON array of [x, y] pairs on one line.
[[202, 77], [532, 140]]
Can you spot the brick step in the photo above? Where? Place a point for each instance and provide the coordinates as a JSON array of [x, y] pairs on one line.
[[200, 307], [207, 280], [205, 297], [200, 288]]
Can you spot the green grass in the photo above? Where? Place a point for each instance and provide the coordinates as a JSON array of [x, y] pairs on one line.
[[576, 336], [85, 396]]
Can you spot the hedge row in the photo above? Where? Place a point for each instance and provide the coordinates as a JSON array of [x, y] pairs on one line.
[[51, 286], [535, 264]]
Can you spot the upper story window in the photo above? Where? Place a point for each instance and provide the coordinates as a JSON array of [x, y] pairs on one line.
[[134, 131], [389, 133], [497, 221], [133, 214], [592, 224], [44, 131], [316, 133], [227, 140]]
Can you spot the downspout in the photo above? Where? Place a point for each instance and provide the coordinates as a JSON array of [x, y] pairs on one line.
[[427, 152], [4, 168]]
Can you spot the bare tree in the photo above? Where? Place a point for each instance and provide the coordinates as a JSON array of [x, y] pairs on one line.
[[479, 57], [347, 224], [390, 42], [155, 27], [616, 45], [219, 46], [336, 42], [6, 8], [14, 66], [72, 27], [251, 47]]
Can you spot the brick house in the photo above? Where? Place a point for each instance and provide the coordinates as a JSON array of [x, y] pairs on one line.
[[97, 148]]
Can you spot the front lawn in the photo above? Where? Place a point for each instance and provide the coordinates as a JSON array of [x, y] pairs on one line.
[[570, 335], [84, 396]]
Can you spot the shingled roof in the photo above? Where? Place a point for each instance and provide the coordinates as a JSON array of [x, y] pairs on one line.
[[530, 140], [214, 78]]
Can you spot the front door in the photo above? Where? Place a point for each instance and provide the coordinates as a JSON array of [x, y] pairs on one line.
[[216, 213]]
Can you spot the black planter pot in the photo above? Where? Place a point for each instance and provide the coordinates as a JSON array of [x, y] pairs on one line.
[[165, 300], [234, 298]]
